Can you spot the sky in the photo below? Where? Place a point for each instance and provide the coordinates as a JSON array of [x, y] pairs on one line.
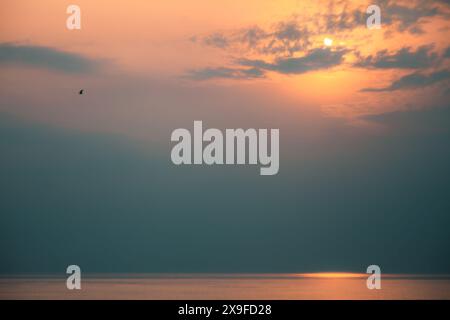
[[364, 125]]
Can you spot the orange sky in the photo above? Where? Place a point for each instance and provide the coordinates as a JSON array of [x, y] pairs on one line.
[[155, 39]]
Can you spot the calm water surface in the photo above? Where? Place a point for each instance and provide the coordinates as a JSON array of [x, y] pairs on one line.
[[227, 286]]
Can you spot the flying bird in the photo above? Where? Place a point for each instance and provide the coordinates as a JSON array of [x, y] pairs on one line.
[[81, 91]]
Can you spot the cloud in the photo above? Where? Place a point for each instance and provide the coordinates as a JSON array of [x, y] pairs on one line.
[[252, 36], [404, 58], [409, 18], [225, 73], [293, 34], [283, 38], [216, 40], [46, 57], [315, 59], [344, 20], [293, 45], [288, 37], [413, 80]]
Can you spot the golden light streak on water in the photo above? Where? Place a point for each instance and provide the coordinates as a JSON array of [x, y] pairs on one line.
[[330, 285]]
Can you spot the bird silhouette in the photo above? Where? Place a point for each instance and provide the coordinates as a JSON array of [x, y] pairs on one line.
[[81, 91]]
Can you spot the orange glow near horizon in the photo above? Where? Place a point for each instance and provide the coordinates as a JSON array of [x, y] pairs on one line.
[[333, 275]]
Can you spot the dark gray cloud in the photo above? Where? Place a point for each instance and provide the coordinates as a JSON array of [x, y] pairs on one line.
[[288, 31], [46, 57], [404, 18], [339, 17], [216, 40], [253, 35], [404, 58], [283, 38], [409, 18], [315, 59], [287, 38], [414, 80], [225, 73]]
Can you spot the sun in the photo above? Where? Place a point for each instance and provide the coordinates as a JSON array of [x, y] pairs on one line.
[[328, 42]]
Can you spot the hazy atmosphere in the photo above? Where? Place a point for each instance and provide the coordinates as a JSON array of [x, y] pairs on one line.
[[363, 115]]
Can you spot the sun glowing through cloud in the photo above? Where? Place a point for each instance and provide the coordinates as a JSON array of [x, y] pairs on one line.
[[328, 42]]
